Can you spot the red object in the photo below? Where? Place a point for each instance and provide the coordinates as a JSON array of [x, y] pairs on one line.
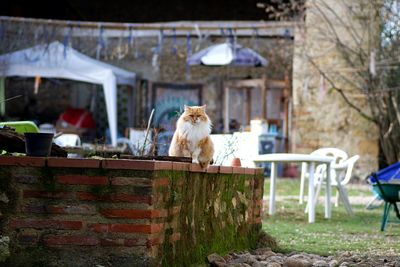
[[290, 171], [78, 117]]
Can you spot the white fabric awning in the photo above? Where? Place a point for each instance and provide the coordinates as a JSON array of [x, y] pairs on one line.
[[54, 60]]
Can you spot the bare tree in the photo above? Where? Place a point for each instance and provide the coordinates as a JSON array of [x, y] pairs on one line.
[[365, 35]]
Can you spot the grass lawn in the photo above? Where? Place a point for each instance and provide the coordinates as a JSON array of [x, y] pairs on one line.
[[359, 234]]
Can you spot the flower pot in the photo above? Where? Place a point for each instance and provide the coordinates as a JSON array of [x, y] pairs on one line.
[[38, 144], [236, 162]]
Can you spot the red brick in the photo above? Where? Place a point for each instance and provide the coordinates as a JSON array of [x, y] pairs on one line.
[[250, 171], [176, 209], [259, 171], [153, 242], [258, 183], [155, 228], [160, 182], [46, 194], [213, 169], [180, 166], [23, 161], [257, 220], [163, 165], [239, 170], [46, 224], [126, 228], [146, 165], [52, 240], [175, 237], [131, 181], [61, 209], [127, 242], [111, 242], [133, 214], [225, 169], [73, 163], [82, 179], [257, 212], [195, 167], [26, 179], [258, 202], [28, 238], [132, 242], [115, 198]]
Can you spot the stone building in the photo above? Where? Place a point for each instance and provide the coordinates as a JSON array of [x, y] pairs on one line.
[[321, 117]]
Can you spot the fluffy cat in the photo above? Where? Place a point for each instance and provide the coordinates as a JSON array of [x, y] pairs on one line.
[[192, 136]]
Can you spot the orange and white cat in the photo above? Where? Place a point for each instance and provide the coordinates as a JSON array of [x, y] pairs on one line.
[[192, 136]]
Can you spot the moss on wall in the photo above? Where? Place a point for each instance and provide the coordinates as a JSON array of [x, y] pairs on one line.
[[213, 217]]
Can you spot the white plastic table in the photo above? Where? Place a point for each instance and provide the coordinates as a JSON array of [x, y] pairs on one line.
[[311, 160]]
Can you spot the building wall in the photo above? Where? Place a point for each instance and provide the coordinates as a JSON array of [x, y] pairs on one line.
[[167, 66], [321, 118]]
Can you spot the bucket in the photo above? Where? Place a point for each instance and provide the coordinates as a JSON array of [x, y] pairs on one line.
[[38, 144]]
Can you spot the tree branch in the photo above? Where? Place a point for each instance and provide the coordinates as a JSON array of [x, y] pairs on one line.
[[343, 95]]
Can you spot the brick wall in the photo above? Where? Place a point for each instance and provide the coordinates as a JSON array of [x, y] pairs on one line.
[[83, 212]]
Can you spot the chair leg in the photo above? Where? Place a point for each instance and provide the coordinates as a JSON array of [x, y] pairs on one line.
[[337, 198], [343, 196], [385, 216], [302, 181], [317, 192]]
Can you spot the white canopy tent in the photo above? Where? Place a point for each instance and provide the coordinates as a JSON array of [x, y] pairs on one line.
[[54, 60]]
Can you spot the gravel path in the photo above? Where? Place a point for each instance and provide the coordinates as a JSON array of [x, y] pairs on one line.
[[264, 257]]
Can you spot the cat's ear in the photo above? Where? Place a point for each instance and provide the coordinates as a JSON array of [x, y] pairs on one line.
[[203, 107], [186, 108]]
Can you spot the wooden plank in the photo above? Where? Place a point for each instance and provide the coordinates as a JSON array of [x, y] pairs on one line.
[[248, 105], [226, 110]]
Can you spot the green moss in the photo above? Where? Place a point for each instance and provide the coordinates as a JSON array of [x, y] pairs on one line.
[[48, 179], [33, 257], [101, 190], [204, 225], [221, 242]]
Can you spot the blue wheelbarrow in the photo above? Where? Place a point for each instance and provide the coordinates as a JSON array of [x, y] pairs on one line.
[[386, 183]]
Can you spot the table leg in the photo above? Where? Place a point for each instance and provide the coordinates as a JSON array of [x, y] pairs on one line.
[[302, 180], [311, 205], [328, 190], [272, 188]]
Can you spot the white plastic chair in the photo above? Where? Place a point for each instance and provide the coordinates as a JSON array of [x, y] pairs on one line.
[[338, 155], [65, 140], [47, 128], [341, 174]]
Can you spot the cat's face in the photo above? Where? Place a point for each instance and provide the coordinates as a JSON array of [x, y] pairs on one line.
[[195, 114]]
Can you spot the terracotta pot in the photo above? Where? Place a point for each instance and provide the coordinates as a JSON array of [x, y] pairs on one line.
[[236, 162]]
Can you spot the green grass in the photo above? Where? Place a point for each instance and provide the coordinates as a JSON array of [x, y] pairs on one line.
[[359, 234]]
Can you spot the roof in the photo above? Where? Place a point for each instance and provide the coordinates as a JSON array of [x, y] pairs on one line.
[[54, 60]]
